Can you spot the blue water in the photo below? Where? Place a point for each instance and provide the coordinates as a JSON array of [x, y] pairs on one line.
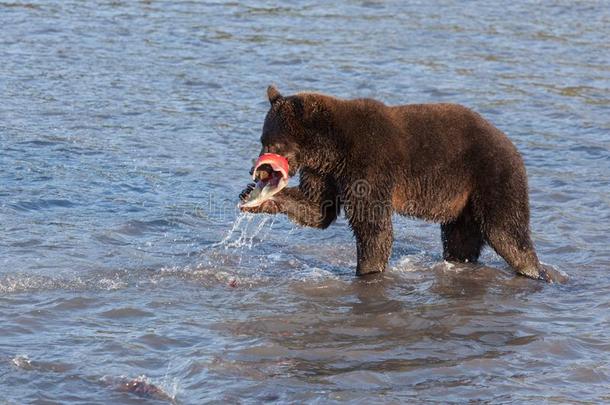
[[127, 130]]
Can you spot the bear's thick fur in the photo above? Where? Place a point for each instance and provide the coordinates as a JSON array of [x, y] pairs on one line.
[[439, 162]]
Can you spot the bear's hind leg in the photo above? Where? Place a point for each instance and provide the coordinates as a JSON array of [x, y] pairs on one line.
[[515, 246], [462, 238]]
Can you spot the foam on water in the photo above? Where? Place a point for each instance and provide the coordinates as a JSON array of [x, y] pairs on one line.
[[23, 282]]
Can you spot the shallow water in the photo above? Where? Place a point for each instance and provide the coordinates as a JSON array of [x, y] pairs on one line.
[[126, 132]]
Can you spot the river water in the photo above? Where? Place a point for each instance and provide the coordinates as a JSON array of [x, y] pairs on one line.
[[127, 130]]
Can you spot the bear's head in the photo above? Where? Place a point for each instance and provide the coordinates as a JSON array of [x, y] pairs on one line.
[[292, 129]]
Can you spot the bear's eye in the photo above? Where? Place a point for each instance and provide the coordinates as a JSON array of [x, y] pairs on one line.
[[273, 148]]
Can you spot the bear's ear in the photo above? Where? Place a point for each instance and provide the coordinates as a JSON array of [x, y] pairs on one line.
[[273, 94]]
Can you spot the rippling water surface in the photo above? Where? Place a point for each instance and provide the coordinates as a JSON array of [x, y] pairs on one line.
[[126, 275]]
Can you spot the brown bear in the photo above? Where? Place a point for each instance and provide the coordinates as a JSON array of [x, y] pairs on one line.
[[439, 162]]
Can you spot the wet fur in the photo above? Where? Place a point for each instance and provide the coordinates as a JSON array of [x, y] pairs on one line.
[[439, 162]]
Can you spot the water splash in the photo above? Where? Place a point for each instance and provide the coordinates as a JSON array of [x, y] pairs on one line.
[[141, 386], [236, 226], [22, 361], [245, 230]]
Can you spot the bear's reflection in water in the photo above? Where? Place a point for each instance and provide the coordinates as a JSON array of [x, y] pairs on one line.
[[387, 327]]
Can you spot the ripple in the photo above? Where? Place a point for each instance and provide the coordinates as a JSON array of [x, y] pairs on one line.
[[127, 312], [42, 204], [25, 363]]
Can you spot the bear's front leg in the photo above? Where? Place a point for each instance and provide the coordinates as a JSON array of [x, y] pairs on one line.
[[317, 212], [313, 203], [299, 208], [372, 225]]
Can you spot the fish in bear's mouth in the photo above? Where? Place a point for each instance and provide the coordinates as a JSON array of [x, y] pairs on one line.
[[271, 176]]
